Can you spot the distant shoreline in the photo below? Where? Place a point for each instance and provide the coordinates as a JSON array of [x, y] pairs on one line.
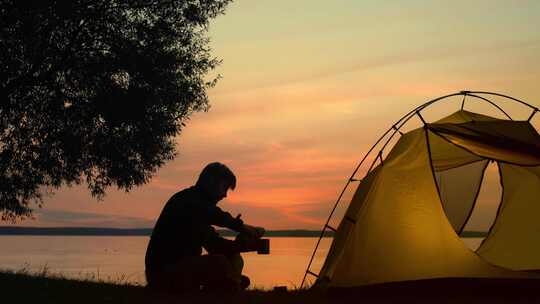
[[95, 231]]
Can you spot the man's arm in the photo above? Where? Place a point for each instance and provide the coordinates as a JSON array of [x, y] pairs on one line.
[[221, 218], [215, 244]]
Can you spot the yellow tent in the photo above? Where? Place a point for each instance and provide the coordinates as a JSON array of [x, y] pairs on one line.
[[404, 220]]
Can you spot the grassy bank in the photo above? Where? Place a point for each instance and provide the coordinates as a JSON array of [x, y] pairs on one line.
[[23, 287], [38, 288]]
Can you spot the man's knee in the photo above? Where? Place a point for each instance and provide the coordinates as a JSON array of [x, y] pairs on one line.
[[237, 263]]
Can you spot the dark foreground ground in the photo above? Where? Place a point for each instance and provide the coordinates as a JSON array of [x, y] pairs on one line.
[[24, 288]]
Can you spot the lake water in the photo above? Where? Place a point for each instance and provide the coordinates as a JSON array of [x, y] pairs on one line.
[[121, 258]]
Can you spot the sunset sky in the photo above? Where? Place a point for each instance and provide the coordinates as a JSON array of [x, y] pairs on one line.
[[308, 86]]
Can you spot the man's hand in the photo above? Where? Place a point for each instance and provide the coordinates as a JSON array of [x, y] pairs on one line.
[[247, 244], [252, 231]]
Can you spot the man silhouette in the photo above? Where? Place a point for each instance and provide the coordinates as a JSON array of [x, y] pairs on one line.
[[174, 259]]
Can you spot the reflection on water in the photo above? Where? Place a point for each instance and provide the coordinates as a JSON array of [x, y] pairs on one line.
[[121, 258]]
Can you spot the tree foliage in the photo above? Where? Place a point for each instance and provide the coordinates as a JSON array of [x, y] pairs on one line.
[[95, 91]]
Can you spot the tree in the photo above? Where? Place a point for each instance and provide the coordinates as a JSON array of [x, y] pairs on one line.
[[95, 91]]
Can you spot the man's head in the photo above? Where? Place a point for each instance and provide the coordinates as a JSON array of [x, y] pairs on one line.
[[216, 179]]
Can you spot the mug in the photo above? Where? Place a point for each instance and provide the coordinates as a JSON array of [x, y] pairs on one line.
[[263, 246]]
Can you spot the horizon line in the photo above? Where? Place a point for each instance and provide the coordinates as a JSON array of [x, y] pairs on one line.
[[146, 231]]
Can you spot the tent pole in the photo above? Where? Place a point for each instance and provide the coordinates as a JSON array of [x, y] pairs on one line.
[[312, 256], [502, 95], [381, 157], [326, 226], [401, 122], [492, 103], [373, 163], [404, 119], [351, 179], [532, 115], [397, 130], [463, 101], [421, 118]]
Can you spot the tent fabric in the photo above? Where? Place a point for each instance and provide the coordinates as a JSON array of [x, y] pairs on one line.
[[345, 228], [514, 142], [459, 188], [466, 116], [401, 232], [513, 241], [447, 156], [401, 224]]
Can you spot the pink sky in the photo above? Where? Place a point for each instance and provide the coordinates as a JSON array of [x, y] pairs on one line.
[[308, 86]]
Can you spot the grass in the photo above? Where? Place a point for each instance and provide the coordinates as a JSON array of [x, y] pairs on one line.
[[24, 286], [44, 287]]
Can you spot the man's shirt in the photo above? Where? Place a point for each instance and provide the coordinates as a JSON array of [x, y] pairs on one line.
[[185, 226]]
